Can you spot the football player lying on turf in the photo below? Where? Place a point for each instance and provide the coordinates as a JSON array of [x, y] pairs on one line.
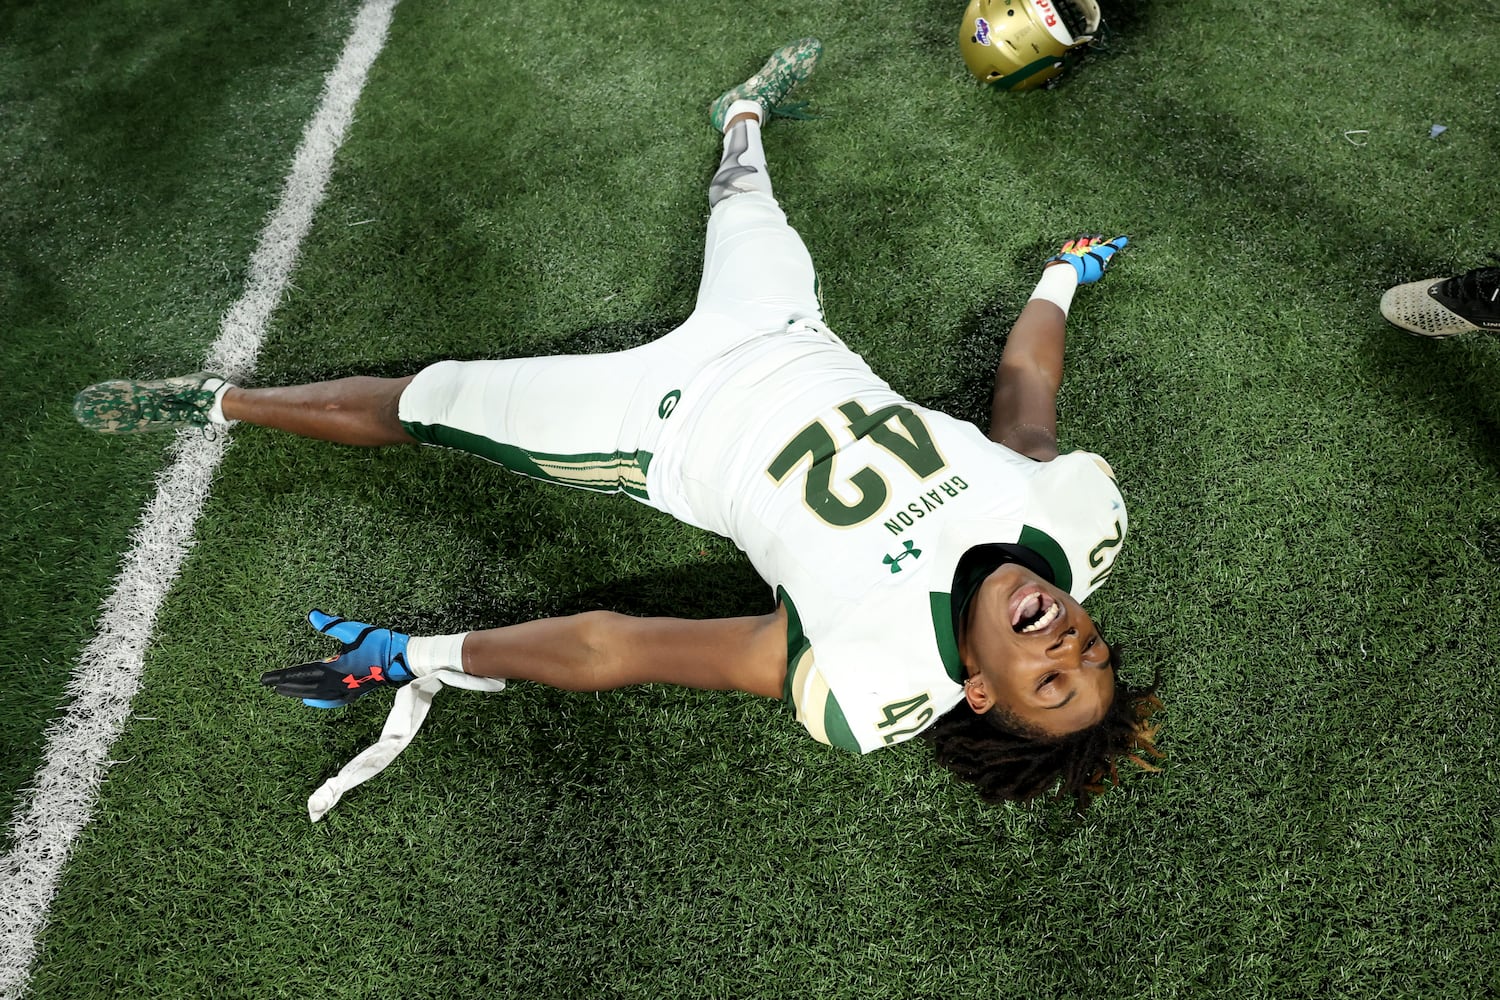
[[927, 577]]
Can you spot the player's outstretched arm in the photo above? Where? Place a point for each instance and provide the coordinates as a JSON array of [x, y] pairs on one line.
[[601, 650], [594, 651], [1023, 411]]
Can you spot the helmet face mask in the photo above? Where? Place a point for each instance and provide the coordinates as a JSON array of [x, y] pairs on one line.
[[1021, 44]]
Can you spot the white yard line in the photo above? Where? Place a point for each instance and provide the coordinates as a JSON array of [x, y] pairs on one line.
[[62, 795]]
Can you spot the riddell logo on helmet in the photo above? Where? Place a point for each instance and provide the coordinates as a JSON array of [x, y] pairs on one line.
[[1049, 16]]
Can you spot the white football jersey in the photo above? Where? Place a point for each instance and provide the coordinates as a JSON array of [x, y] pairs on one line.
[[856, 505]]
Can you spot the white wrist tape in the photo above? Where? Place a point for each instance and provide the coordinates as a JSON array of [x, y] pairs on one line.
[[437, 661], [408, 710], [427, 654], [1057, 286]]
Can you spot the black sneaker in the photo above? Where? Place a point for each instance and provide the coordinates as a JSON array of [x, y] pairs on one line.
[[1444, 307]]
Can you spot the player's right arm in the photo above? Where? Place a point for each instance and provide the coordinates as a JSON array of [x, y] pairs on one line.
[[594, 651], [1023, 409], [602, 650]]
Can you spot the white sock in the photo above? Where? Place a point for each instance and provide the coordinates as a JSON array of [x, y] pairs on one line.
[[429, 654], [1057, 286], [216, 412], [743, 105]]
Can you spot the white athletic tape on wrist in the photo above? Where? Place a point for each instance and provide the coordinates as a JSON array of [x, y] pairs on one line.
[[427, 654], [401, 725], [1057, 286]]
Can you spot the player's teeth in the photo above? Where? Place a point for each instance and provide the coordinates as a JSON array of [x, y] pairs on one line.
[[1029, 608], [1045, 620]]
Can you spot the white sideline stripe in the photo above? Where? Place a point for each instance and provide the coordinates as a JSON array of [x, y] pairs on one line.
[[63, 793]]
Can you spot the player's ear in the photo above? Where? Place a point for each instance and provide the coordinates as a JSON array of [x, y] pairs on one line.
[[977, 694]]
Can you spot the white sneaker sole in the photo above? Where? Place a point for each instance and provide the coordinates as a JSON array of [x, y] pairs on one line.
[[1411, 308]]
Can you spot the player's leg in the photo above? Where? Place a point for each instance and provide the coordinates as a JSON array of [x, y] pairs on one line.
[[562, 418], [594, 421], [587, 421], [361, 410], [755, 265], [742, 162], [358, 411]]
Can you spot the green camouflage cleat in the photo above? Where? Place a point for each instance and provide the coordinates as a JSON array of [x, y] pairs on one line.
[[787, 67], [126, 407]]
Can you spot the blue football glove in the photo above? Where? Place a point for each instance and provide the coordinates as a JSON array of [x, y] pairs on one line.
[[369, 658], [1089, 256]]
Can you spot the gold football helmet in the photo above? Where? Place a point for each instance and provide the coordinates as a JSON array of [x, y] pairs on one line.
[[1020, 44]]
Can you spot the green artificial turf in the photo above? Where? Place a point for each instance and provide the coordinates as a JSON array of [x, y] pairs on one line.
[[1315, 528]]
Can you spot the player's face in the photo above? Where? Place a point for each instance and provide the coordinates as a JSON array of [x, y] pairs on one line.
[[1033, 650]]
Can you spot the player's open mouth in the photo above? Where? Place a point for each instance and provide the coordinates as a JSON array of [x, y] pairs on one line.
[[1034, 611]]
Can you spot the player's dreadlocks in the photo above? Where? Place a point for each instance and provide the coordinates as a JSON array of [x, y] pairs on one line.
[[1004, 762]]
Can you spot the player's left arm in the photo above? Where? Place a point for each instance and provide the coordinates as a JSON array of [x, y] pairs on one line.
[[1023, 410]]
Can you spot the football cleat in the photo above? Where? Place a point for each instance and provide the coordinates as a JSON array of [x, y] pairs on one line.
[[1445, 307], [787, 67], [368, 658], [128, 407]]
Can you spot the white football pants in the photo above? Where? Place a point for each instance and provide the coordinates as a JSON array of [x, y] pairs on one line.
[[593, 421]]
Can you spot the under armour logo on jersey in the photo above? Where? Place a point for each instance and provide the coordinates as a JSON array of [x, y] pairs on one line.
[[894, 562]]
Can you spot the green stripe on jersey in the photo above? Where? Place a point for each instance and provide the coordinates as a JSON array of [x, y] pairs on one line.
[[837, 727], [796, 643], [600, 472], [825, 722]]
